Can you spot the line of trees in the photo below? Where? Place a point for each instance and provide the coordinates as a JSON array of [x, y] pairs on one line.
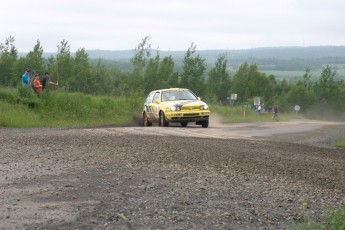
[[150, 71]]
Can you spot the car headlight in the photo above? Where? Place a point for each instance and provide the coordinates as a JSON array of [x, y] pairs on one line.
[[204, 107], [175, 108]]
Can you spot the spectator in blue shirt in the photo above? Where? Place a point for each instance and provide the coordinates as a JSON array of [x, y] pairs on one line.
[[25, 77]]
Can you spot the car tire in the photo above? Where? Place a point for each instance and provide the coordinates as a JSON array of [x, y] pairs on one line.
[[184, 124], [162, 120], [146, 121], [204, 124]]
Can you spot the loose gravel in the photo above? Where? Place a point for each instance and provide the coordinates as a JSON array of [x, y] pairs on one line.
[[86, 179]]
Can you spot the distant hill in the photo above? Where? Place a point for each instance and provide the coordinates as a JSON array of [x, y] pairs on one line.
[[256, 53], [269, 59], [289, 52], [282, 62]]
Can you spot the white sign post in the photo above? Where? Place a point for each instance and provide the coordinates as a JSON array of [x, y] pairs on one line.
[[256, 101], [297, 108], [233, 98]]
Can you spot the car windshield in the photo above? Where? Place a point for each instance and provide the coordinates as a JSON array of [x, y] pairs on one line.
[[178, 95]]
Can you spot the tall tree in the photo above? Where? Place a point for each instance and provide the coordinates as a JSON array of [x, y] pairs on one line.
[[35, 58], [248, 82], [240, 83], [64, 63], [330, 93], [194, 68], [139, 62], [8, 60], [218, 82], [301, 95], [307, 78], [81, 79], [166, 75], [151, 80], [104, 80], [326, 84]]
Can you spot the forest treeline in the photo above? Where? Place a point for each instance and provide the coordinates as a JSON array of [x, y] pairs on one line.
[[149, 71]]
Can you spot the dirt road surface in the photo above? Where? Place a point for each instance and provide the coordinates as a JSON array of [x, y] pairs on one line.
[[228, 176]]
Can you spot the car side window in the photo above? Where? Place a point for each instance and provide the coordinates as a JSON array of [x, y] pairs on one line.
[[157, 96], [149, 98]]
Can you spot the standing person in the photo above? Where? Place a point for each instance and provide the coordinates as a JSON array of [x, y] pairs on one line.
[[25, 78], [259, 109], [275, 112], [37, 84], [46, 81]]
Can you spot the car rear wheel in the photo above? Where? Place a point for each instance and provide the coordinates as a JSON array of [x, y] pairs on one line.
[[204, 124], [184, 124], [162, 120], [146, 121]]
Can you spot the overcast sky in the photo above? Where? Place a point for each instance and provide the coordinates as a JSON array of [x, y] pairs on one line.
[[172, 25]]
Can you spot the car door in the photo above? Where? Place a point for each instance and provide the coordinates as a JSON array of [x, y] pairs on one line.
[[148, 105], [154, 106]]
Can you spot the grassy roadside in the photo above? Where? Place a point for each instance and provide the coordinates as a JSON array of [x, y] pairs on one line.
[[340, 144], [23, 109], [332, 220], [237, 114]]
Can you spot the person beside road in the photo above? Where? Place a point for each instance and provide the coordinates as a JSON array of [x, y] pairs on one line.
[[46, 81], [275, 112], [259, 109], [37, 84], [26, 78]]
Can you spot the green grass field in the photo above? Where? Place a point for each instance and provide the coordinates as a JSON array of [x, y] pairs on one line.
[[298, 75], [332, 220], [229, 114], [21, 108], [340, 144]]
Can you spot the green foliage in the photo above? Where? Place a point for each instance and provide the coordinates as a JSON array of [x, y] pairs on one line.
[[340, 144], [248, 83], [139, 62], [18, 115], [63, 65], [8, 62], [316, 95], [151, 78], [35, 60], [301, 95], [58, 109], [167, 77], [335, 220], [194, 68], [82, 80], [218, 82]]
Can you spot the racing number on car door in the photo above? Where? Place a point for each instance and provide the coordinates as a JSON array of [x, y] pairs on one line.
[[148, 103], [155, 105]]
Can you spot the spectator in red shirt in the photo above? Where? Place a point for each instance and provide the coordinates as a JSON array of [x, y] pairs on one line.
[[37, 84]]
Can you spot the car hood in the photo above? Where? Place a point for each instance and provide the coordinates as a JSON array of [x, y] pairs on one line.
[[184, 103]]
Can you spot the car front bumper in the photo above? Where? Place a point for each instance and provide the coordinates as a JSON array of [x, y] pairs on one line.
[[187, 117]]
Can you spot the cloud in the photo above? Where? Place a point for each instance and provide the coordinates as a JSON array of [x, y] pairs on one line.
[[173, 25]]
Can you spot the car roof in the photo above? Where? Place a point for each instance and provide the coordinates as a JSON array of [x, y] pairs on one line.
[[170, 89]]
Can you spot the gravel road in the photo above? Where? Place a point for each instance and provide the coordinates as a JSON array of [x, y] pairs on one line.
[[234, 176]]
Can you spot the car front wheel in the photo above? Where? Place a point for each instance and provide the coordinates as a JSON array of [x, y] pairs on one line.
[[162, 120], [204, 124], [184, 124]]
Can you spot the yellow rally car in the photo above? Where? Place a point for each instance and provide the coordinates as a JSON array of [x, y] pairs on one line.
[[175, 105]]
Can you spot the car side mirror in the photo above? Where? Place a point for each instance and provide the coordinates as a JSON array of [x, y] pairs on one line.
[[199, 98], [158, 101]]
